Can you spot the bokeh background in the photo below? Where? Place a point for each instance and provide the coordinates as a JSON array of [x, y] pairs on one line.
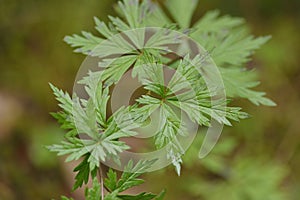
[[257, 159]]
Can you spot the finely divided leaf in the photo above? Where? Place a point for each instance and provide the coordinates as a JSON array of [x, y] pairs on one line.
[[84, 44], [83, 173], [235, 50], [239, 83], [211, 22], [93, 193], [182, 11]]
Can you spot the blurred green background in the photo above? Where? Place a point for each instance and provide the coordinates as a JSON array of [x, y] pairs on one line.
[[257, 159]]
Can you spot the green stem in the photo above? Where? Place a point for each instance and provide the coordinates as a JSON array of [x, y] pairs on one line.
[[101, 182]]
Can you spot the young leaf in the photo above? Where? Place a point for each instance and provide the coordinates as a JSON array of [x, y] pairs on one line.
[[211, 22], [129, 179], [83, 173], [134, 12], [93, 193], [239, 83], [64, 99], [235, 50], [116, 68], [182, 11], [111, 181], [156, 16]]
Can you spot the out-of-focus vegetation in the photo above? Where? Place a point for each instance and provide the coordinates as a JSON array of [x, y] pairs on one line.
[[257, 159]]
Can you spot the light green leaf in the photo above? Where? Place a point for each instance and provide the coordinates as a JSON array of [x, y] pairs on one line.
[[116, 68], [64, 99], [235, 50], [94, 193], [129, 177], [211, 22], [239, 83], [84, 44], [111, 180], [182, 11], [134, 12]]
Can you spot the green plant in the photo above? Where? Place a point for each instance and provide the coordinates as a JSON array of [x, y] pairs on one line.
[[230, 48]]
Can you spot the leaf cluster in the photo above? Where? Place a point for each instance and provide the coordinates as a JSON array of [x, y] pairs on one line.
[[94, 135], [116, 186]]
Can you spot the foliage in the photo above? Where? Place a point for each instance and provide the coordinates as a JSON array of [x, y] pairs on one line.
[[231, 47], [115, 186]]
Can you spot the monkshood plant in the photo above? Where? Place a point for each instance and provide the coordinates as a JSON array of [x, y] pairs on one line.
[[207, 60]]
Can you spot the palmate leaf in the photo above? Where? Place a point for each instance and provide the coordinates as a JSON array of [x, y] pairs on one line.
[[239, 82], [98, 150], [169, 128], [144, 63], [196, 100], [101, 142], [232, 46]]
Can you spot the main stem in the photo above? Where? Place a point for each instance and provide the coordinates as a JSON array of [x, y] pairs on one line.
[[101, 181]]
